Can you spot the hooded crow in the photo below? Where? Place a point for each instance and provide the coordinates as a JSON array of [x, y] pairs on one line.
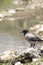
[[31, 38]]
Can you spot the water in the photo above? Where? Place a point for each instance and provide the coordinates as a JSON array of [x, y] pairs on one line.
[[10, 36]]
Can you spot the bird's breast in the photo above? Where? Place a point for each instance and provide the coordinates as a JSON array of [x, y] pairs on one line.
[[29, 35]]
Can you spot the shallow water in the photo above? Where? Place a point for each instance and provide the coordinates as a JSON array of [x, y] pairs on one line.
[[10, 36]]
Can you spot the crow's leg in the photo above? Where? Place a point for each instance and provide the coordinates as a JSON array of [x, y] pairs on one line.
[[32, 44]]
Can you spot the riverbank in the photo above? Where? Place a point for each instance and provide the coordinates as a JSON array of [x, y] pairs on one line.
[[15, 14]]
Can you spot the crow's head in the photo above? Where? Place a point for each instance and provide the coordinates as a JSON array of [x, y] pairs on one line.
[[24, 31]]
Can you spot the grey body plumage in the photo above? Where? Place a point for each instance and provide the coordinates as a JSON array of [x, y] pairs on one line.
[[31, 38]]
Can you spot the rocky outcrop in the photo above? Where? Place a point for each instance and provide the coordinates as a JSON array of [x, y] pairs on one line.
[[28, 55], [37, 28]]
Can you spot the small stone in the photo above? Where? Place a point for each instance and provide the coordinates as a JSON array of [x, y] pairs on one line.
[[18, 63], [35, 59]]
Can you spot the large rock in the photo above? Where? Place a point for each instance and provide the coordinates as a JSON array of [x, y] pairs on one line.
[[37, 28], [27, 55], [23, 57]]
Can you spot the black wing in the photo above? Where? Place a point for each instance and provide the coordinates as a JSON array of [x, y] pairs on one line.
[[35, 39], [31, 37]]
